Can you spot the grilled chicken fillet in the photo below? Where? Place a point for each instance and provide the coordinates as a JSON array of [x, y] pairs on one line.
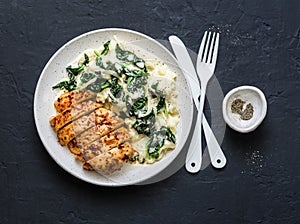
[[69, 132], [92, 133], [65, 100], [78, 143], [105, 143], [66, 134], [112, 160], [75, 111]]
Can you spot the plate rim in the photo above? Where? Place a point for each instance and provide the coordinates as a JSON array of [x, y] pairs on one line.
[[44, 140]]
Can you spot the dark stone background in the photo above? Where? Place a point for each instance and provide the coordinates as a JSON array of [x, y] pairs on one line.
[[260, 45]]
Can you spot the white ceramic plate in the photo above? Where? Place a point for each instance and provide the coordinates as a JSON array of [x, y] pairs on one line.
[[54, 71]]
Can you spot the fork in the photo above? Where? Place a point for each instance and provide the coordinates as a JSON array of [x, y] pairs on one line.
[[206, 62]]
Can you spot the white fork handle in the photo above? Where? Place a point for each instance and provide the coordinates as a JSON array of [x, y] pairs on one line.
[[217, 157], [193, 159], [215, 152]]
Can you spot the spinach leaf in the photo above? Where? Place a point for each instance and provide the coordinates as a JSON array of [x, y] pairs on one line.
[[169, 134], [99, 62], [85, 77], [115, 87], [112, 99], [99, 85], [157, 140], [128, 56], [154, 144], [67, 85], [86, 59], [121, 69], [110, 66], [154, 86], [127, 102], [155, 91], [96, 53], [145, 125], [75, 71], [131, 73], [161, 104], [136, 83], [122, 54], [118, 69], [135, 73], [138, 105], [165, 109], [129, 81], [106, 48]]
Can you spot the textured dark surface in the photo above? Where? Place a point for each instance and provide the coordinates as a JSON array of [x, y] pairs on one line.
[[260, 46]]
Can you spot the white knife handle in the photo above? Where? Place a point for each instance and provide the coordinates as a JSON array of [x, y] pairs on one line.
[[193, 159], [217, 157]]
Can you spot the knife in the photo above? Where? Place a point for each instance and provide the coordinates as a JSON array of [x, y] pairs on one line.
[[216, 154]]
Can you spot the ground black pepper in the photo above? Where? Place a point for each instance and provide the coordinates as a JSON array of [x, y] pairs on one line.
[[237, 108]]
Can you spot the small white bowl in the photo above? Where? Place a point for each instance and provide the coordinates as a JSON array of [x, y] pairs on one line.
[[249, 94]]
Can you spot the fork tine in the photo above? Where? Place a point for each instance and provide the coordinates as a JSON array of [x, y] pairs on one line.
[[206, 48], [211, 48], [215, 54], [201, 49]]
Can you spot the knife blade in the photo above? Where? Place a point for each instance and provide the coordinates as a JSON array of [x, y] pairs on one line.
[[187, 67], [217, 156]]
